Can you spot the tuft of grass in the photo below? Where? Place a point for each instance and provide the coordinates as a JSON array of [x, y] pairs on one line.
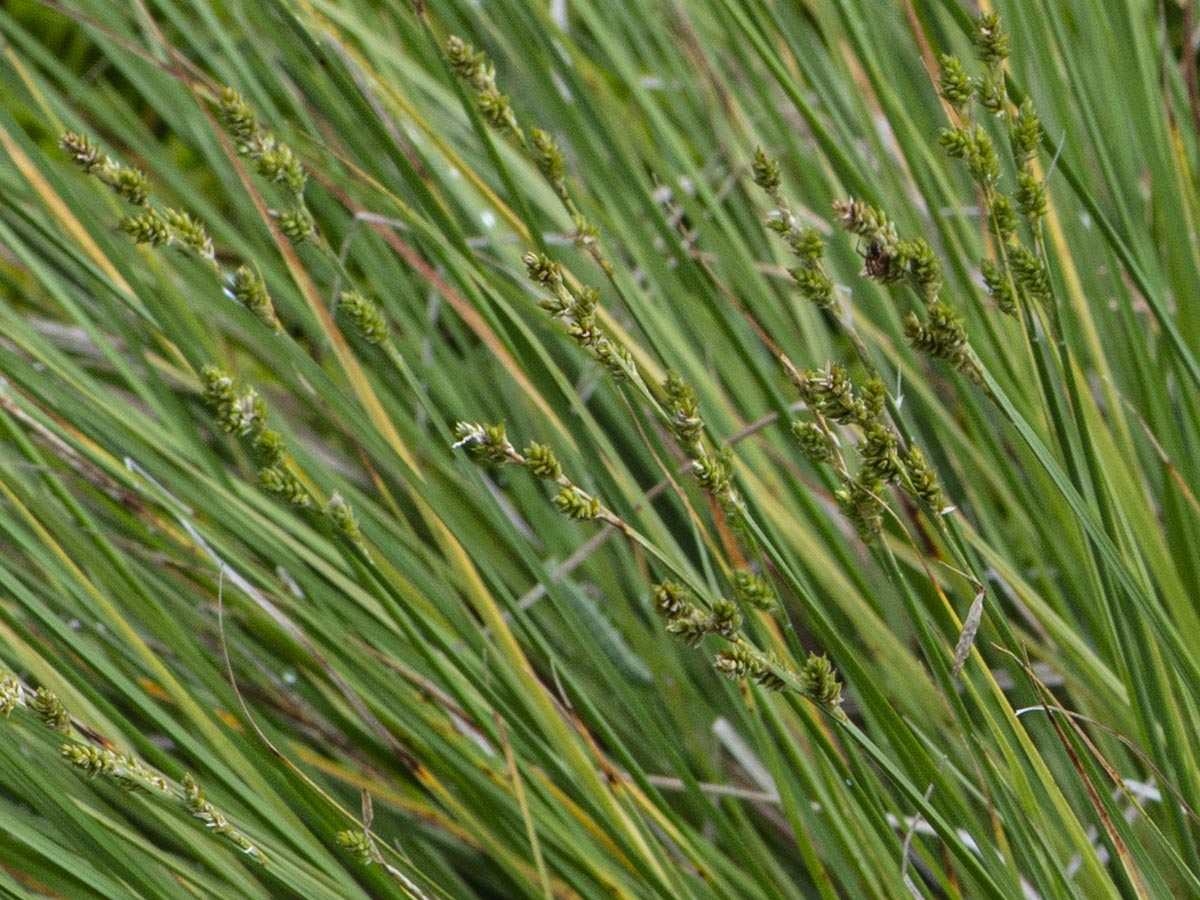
[[691, 450]]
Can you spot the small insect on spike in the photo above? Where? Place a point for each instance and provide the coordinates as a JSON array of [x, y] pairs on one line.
[[875, 260]]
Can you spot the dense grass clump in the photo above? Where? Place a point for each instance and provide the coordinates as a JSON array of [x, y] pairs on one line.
[[695, 449]]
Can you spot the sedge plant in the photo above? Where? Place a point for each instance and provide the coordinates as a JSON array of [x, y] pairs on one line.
[[701, 449]]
